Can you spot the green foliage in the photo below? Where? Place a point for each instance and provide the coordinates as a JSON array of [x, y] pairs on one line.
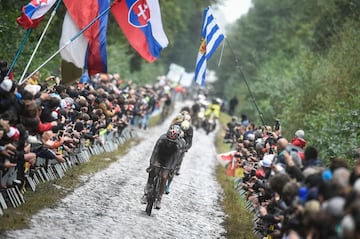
[[148, 73], [12, 36], [335, 132], [335, 111], [300, 60]]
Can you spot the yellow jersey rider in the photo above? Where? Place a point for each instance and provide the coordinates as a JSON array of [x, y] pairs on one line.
[[213, 109]]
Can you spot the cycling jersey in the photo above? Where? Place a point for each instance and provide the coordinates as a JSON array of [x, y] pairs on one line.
[[165, 152]]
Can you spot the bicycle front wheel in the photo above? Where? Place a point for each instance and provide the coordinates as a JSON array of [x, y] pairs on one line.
[[153, 194], [150, 200], [149, 207]]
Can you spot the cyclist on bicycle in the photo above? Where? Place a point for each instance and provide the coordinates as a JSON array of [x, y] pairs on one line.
[[187, 137], [211, 114], [178, 119], [166, 106], [165, 154]]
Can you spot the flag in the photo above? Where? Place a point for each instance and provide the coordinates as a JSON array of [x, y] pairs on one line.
[[95, 58], [211, 37], [33, 12], [229, 160], [140, 20], [76, 51], [227, 157]]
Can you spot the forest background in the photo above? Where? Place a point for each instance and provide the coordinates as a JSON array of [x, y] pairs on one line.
[[300, 59]]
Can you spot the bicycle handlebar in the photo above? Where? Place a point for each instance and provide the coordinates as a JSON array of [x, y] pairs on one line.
[[159, 166]]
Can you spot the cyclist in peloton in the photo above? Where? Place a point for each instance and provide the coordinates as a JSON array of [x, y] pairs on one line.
[[186, 139], [165, 153]]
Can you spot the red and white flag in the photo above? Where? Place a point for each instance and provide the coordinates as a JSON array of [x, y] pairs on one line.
[[140, 20]]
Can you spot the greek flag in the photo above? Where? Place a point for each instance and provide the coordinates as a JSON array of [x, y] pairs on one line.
[[211, 37]]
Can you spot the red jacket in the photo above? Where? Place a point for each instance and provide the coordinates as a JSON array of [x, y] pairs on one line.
[[299, 142]]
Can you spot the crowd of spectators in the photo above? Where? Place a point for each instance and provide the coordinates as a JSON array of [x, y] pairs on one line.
[[288, 188], [45, 119]]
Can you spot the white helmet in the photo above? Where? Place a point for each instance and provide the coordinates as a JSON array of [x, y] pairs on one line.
[[185, 125], [187, 117]]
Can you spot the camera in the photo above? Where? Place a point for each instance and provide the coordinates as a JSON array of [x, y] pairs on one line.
[[61, 133], [277, 124]]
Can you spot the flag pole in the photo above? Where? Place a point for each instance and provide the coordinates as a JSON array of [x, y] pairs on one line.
[[40, 39], [26, 37], [246, 83], [68, 42]]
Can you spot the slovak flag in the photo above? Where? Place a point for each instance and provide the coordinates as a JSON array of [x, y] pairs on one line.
[[140, 20], [33, 12], [88, 50], [211, 37]]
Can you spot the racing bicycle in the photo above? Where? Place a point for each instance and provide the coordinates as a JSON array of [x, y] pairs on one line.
[[154, 189]]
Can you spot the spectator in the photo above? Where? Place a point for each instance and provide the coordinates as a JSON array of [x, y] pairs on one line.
[[34, 79], [232, 105], [244, 120], [311, 158], [299, 139], [229, 136]]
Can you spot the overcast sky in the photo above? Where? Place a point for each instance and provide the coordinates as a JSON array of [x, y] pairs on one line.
[[231, 10]]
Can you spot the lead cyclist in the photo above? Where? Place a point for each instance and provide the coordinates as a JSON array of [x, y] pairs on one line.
[[165, 154]]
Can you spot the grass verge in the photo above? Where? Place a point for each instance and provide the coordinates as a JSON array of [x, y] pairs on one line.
[[239, 223], [48, 194]]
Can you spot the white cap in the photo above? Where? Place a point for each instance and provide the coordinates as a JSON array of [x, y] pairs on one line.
[[6, 84], [267, 160], [300, 133], [251, 137], [33, 89]]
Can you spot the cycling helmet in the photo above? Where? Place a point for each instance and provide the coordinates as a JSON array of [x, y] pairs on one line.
[[179, 118], [177, 128], [187, 117], [181, 134], [173, 133], [185, 125], [184, 112]]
